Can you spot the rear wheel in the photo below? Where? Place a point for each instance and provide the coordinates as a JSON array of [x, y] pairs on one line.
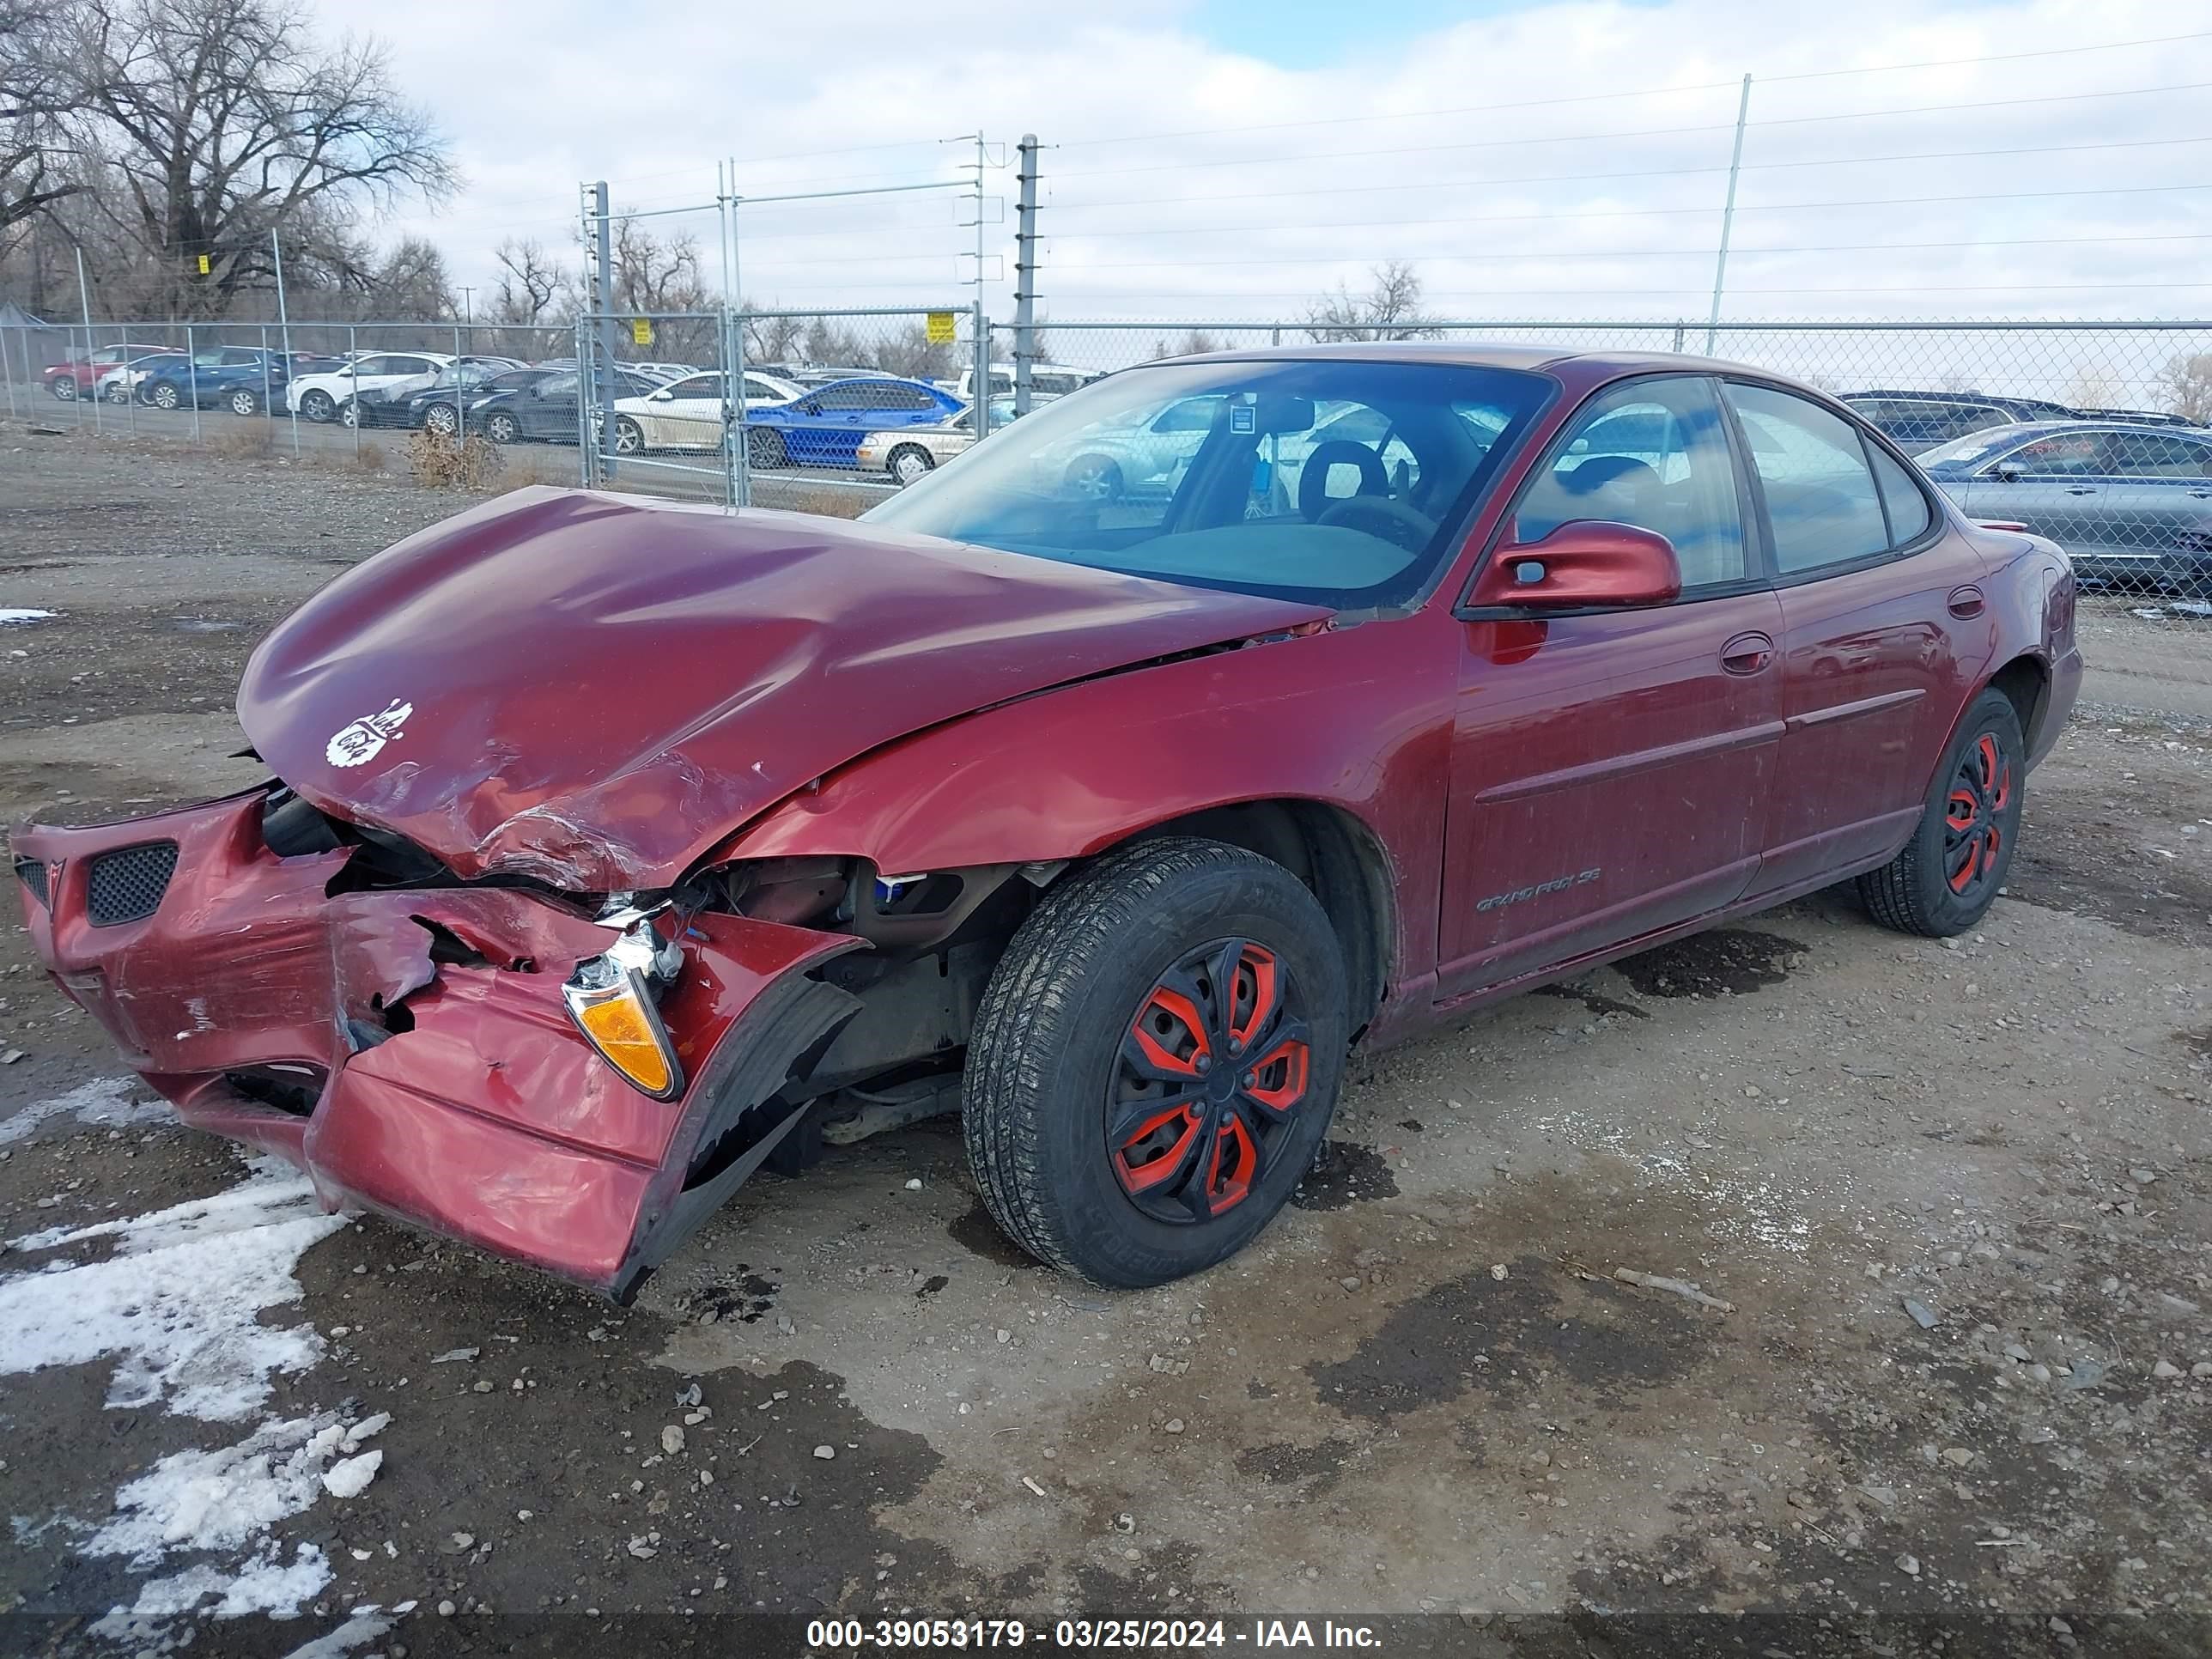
[[164, 396], [1093, 478], [1155, 1061], [763, 448], [1948, 874], [503, 429], [245, 401]]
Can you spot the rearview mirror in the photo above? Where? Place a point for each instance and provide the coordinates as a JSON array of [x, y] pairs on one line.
[[1588, 562]]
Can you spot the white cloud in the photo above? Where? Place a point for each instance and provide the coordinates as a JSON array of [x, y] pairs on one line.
[[1502, 207]]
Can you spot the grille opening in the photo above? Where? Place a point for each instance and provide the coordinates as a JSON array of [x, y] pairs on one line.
[[291, 1089], [126, 883], [32, 872]]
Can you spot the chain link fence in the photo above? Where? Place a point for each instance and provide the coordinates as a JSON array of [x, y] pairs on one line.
[[2098, 434]]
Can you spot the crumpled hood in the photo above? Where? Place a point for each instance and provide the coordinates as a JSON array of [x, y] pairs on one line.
[[594, 689]]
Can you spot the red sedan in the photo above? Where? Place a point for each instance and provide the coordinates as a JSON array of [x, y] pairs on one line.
[[614, 849]]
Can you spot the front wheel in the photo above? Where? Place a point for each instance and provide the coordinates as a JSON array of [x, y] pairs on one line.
[[319, 407], [63, 388], [908, 463], [1948, 876], [630, 437], [1155, 1061], [442, 419]]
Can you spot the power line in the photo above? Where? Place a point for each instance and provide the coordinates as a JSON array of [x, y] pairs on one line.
[[1593, 213], [1633, 133]]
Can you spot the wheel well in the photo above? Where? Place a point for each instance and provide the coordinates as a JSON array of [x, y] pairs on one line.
[[1336, 856], [2025, 682]]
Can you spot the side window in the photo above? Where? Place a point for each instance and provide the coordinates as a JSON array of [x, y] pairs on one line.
[[2150, 455], [756, 388], [410, 366], [1191, 415], [2065, 455], [1821, 495], [1650, 455], [1910, 514], [698, 385], [368, 366]]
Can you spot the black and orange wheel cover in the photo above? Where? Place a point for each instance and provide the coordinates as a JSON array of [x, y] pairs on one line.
[[1973, 815], [1208, 1080]]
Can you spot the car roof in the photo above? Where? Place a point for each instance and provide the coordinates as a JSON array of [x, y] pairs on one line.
[[2026, 429]]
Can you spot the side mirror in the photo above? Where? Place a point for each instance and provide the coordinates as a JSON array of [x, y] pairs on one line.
[[2007, 471], [662, 396], [1588, 562]]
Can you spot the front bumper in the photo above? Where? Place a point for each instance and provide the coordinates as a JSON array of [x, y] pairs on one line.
[[454, 1095]]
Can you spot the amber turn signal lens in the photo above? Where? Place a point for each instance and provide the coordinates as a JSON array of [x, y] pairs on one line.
[[623, 1024]]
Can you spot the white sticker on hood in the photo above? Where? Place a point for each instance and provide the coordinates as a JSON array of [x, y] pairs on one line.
[[358, 742]]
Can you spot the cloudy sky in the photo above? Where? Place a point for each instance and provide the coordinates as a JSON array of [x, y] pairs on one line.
[[1220, 159]]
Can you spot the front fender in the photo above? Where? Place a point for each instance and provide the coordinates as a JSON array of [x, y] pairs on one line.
[[1358, 719]]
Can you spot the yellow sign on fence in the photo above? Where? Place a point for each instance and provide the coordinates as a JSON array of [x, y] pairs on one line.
[[641, 331], [204, 266], [943, 327]]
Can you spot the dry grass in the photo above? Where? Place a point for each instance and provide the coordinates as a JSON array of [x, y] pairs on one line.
[[442, 462]]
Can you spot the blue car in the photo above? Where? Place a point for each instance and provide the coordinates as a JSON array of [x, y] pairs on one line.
[[244, 379], [825, 427]]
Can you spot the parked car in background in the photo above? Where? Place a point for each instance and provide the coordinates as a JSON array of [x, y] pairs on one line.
[[2131, 504], [1915, 421], [244, 379], [319, 398], [76, 378], [1048, 380], [662, 373], [438, 404], [1124, 823], [688, 414], [390, 405], [539, 405], [120, 384], [907, 452], [825, 427]]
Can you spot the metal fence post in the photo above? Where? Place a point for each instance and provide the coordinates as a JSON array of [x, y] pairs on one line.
[[84, 302], [192, 379], [284, 322], [1728, 215], [8, 371], [604, 370], [460, 399], [586, 445], [1025, 266], [353, 356]]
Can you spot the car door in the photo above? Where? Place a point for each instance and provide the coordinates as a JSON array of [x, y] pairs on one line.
[[2152, 509], [1879, 644], [687, 414], [2055, 485], [546, 407], [1610, 770]]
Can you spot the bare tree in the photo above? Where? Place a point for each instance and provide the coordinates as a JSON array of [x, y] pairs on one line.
[[772, 339], [529, 282], [652, 274], [34, 92], [1389, 310], [411, 282], [2187, 383], [910, 352], [221, 120]]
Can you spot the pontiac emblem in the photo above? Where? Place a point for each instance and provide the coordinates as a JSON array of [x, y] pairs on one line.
[[358, 742]]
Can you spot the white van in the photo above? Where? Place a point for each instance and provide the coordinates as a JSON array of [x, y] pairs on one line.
[[1046, 381]]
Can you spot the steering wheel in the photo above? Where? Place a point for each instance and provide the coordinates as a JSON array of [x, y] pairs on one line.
[[1385, 517]]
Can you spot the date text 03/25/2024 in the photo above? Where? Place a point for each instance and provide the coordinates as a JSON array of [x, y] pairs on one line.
[[1088, 1633]]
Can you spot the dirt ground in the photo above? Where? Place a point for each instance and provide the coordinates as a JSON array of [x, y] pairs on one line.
[[1954, 1196]]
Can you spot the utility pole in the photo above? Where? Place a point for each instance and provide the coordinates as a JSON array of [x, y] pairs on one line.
[[980, 406], [603, 372], [1025, 266], [84, 302], [469, 316], [1728, 216]]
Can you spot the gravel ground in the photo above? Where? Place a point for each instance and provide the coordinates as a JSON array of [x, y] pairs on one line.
[[1953, 1197]]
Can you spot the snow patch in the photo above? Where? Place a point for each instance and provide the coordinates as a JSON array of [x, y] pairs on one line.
[[223, 1499], [364, 1625], [351, 1478], [104, 1102], [179, 1302], [19, 614], [266, 1584]]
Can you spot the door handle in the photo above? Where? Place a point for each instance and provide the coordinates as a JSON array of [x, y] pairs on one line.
[[1965, 601], [2081, 490], [1747, 653]]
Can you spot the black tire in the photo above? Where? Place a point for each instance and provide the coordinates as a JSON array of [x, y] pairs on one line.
[[1093, 478], [62, 388], [910, 463], [318, 406], [350, 413], [629, 436], [164, 395], [502, 427], [1948, 874], [1049, 1059], [244, 400], [443, 419], [763, 448]]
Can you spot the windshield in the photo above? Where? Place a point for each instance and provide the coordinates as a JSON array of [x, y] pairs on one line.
[[1324, 479], [1962, 455]]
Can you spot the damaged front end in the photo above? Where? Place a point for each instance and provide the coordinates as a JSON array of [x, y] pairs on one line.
[[571, 1081]]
